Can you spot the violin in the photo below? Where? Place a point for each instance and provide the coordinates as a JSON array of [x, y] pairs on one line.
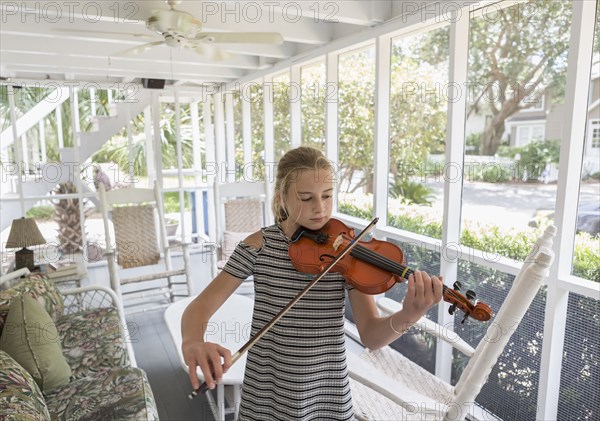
[[372, 267]]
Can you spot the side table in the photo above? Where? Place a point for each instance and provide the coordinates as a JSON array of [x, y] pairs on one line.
[[72, 278], [66, 279], [229, 327]]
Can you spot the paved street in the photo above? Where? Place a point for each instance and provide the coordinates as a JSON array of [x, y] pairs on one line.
[[511, 205]]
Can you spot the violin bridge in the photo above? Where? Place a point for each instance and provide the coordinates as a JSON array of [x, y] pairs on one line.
[[338, 242]]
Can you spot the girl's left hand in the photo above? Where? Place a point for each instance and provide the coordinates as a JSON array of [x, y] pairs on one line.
[[423, 293]]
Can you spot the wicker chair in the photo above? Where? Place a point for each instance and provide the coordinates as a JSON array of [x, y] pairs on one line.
[[241, 211], [141, 241], [410, 392]]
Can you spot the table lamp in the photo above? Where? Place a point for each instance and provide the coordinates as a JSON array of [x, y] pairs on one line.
[[24, 232]]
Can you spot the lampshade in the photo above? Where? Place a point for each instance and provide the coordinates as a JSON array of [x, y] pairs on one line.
[[24, 232]]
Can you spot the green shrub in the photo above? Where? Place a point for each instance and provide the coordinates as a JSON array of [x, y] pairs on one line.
[[586, 255], [472, 143], [41, 213], [489, 172], [172, 204], [410, 191], [355, 211], [416, 224], [511, 243], [534, 157]]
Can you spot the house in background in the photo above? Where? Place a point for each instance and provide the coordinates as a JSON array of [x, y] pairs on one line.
[[544, 119]]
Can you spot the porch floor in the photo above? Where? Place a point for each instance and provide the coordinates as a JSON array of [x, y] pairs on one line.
[[157, 356]]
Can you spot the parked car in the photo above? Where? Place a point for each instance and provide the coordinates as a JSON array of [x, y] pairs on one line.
[[588, 218]]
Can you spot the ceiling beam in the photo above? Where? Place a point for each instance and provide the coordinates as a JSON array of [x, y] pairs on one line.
[[117, 66], [11, 42], [363, 13], [33, 73]]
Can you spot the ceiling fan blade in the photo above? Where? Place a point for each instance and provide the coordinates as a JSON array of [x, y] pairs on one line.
[[241, 37], [140, 49], [210, 52]]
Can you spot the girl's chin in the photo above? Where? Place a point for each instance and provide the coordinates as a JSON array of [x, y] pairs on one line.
[[316, 223]]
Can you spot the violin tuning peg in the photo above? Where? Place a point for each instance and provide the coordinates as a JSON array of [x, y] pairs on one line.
[[471, 295], [457, 285], [465, 318], [452, 309]]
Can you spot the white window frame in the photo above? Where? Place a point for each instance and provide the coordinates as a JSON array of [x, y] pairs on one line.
[[591, 150], [530, 125]]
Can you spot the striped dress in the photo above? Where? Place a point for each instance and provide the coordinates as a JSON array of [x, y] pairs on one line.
[[297, 370]]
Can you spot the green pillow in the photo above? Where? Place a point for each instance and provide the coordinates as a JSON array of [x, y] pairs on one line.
[[31, 338], [20, 397]]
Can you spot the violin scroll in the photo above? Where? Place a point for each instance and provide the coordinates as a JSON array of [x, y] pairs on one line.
[[479, 311]]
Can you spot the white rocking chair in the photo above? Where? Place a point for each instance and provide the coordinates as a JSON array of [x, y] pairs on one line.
[[139, 242], [241, 212]]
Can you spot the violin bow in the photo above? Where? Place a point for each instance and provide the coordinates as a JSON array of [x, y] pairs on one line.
[[238, 354]]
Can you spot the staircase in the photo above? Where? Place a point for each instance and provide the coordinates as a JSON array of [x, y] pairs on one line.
[[49, 175], [108, 126]]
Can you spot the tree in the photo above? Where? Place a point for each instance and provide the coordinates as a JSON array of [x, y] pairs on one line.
[[116, 149], [356, 119], [418, 106], [314, 92], [517, 56]]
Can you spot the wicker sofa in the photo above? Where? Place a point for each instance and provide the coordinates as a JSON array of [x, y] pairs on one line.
[[95, 378]]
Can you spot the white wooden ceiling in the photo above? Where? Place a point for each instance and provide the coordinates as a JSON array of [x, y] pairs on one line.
[[81, 40]]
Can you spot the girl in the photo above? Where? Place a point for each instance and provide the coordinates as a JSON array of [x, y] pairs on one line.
[[297, 370]]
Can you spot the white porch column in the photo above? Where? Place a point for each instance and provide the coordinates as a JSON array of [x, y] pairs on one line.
[[220, 152], [150, 163], [331, 113], [296, 108], [230, 137], [455, 142], [246, 122], [269, 138], [567, 197], [18, 149], [382, 126], [211, 167], [197, 165]]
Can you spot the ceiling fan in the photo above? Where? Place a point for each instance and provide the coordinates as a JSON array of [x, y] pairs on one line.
[[180, 29]]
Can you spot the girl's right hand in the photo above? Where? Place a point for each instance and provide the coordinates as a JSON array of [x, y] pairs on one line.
[[207, 356]]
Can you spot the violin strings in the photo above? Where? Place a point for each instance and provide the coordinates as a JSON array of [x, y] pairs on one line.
[[399, 269], [383, 262]]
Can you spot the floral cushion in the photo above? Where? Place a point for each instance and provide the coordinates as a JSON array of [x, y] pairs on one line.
[[92, 341], [20, 396], [40, 288], [119, 394]]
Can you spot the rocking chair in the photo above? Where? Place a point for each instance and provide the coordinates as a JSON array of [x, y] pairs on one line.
[[141, 245], [241, 213]]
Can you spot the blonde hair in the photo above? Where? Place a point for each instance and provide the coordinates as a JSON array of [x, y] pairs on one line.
[[291, 164]]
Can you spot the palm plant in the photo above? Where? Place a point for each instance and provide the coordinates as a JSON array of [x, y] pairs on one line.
[[68, 218], [116, 150]]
